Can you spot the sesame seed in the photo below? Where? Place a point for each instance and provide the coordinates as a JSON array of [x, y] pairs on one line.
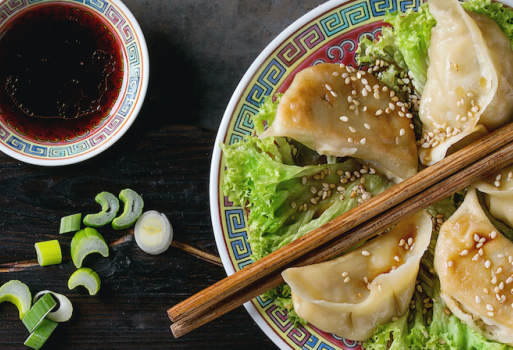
[[397, 141], [485, 290], [313, 189], [353, 130], [494, 280], [441, 341], [463, 119], [478, 299], [464, 252], [449, 263], [470, 94], [365, 279], [367, 126], [476, 237], [458, 104], [336, 74], [401, 132], [401, 242], [333, 93], [487, 264], [328, 87], [493, 234], [396, 258], [353, 92], [356, 102], [476, 257], [364, 108], [377, 96], [364, 92], [352, 107], [491, 314], [293, 205], [364, 81], [359, 75], [347, 279], [313, 200], [353, 78], [501, 285], [365, 253], [391, 106], [345, 274], [362, 141], [379, 287], [419, 288], [499, 270], [499, 177], [509, 280], [341, 197], [470, 115], [409, 115], [410, 241], [479, 245], [303, 180], [344, 119], [379, 112], [347, 81]]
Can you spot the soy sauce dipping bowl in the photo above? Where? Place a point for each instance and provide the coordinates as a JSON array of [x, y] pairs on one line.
[[57, 142]]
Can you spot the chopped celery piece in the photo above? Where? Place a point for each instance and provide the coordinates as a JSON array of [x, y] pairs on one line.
[[70, 223], [85, 242], [17, 293], [85, 277], [110, 207], [38, 312], [132, 210], [153, 232], [48, 253], [63, 312], [37, 339]]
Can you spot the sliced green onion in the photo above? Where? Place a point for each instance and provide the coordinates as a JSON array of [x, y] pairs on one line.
[[85, 277], [38, 312], [48, 253], [37, 339], [17, 293], [132, 210], [110, 207], [70, 223], [85, 242], [153, 232], [64, 310]]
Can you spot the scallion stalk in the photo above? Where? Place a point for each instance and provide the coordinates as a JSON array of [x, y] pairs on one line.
[[85, 242], [38, 312], [132, 210], [65, 309], [41, 334], [85, 277], [70, 223], [17, 293], [110, 207], [48, 253]]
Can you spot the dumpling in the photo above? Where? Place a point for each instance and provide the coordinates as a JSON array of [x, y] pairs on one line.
[[349, 296], [498, 189], [469, 88], [473, 262], [320, 111]]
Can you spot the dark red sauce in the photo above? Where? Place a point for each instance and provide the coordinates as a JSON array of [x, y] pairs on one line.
[[57, 62]]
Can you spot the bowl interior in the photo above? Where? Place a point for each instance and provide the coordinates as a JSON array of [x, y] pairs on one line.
[[55, 141]]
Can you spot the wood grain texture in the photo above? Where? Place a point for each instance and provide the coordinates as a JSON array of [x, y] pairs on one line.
[[170, 169]]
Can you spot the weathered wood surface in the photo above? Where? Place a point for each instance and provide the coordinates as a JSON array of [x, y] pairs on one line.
[[199, 51], [170, 168]]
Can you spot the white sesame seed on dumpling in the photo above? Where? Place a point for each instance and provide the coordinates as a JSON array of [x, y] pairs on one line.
[[335, 125]]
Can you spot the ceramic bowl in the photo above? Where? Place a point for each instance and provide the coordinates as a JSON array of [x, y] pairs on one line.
[[54, 142]]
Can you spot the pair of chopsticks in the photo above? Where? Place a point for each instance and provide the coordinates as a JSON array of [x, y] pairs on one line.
[[457, 171]]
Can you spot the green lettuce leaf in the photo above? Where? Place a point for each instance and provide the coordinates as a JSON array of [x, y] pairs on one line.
[[503, 16]]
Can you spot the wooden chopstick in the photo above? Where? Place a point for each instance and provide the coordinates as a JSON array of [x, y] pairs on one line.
[[222, 290], [484, 167]]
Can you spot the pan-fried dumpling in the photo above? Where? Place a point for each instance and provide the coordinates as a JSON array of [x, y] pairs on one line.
[[349, 296], [339, 111], [498, 189], [469, 88], [473, 262]]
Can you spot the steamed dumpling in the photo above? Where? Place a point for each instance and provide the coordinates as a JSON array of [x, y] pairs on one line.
[[498, 189], [469, 88], [349, 296], [473, 262], [320, 111]]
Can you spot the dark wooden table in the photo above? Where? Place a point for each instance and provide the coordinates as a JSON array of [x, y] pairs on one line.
[[199, 51]]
